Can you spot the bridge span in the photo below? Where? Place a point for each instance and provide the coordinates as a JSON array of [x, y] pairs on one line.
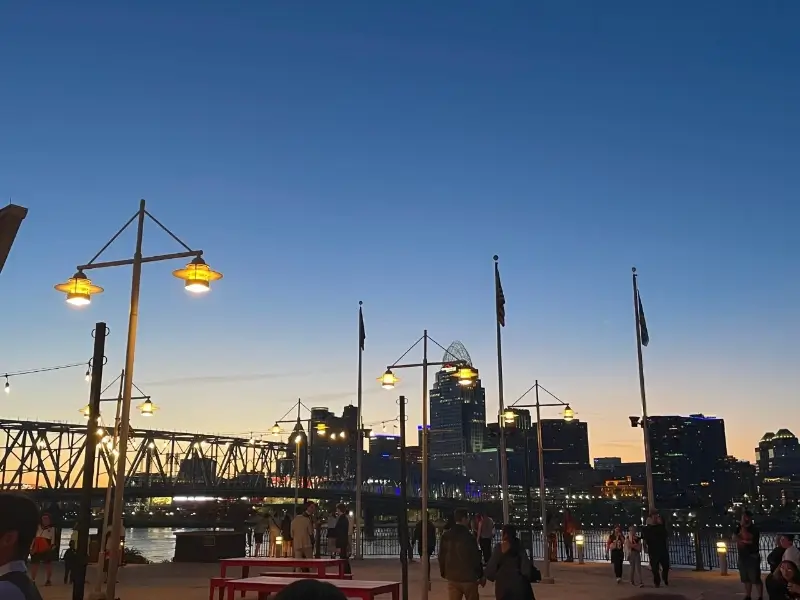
[[45, 459]]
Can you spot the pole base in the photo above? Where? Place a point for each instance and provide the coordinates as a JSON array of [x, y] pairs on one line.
[[547, 580]]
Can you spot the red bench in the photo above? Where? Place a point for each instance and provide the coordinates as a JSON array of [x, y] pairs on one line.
[[363, 590], [218, 583], [348, 576]]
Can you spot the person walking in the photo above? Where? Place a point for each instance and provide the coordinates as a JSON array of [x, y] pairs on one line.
[[747, 537], [274, 533], [460, 560], [303, 533], [331, 539], [260, 526], [633, 548], [511, 569], [615, 547], [18, 523], [655, 544], [341, 534], [485, 536]]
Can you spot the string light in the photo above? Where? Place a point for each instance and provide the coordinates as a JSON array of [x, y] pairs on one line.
[[7, 387]]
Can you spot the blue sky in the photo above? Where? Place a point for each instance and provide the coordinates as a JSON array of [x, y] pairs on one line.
[[325, 153]]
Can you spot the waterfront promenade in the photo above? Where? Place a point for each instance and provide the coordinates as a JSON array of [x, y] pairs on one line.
[[190, 582]]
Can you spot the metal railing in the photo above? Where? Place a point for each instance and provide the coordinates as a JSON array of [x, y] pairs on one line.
[[686, 549]]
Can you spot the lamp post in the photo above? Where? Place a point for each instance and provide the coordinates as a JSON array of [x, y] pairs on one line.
[[79, 291], [466, 377], [568, 415]]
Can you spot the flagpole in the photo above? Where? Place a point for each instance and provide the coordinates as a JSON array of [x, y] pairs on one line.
[[503, 455], [648, 456], [360, 442]]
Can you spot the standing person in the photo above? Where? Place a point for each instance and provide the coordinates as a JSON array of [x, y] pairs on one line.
[[331, 539], [485, 536], [303, 532], [615, 546], [568, 534], [70, 562], [431, 541], [552, 537], [790, 551], [260, 527], [655, 544], [286, 534], [274, 533], [633, 545], [747, 539], [511, 569], [460, 560], [341, 535], [42, 549], [18, 522]]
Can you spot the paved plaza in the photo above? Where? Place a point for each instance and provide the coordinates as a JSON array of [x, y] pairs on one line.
[[190, 581]]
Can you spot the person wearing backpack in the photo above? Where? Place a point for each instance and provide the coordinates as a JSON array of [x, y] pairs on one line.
[[511, 569], [19, 519]]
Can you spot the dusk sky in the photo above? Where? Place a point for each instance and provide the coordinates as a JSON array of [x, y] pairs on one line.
[[322, 153]]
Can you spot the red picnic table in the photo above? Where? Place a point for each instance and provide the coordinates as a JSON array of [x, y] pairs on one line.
[[320, 565], [363, 590]]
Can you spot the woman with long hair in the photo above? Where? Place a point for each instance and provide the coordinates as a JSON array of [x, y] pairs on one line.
[[511, 569]]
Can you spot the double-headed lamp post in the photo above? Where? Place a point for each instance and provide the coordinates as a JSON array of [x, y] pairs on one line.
[[508, 418], [466, 377], [79, 290]]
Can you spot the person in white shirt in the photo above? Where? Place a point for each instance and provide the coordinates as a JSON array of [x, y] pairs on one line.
[[42, 549], [18, 521], [790, 551]]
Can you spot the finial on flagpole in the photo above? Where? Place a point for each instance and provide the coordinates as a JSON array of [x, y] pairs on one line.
[[633, 269], [496, 258], [360, 303]]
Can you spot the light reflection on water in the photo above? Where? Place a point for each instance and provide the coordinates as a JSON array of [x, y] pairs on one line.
[[156, 544]]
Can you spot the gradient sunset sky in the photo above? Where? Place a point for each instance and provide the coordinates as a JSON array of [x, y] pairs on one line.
[[323, 153]]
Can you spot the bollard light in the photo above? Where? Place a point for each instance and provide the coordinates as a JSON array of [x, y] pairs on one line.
[[579, 539], [722, 552]]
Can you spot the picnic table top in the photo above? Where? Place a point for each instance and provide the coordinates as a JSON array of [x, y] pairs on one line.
[[345, 584], [282, 561]]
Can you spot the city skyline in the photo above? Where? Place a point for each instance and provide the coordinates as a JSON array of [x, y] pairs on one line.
[[321, 157]]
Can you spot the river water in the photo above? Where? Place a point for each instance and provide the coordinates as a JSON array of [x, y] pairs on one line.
[[157, 544]]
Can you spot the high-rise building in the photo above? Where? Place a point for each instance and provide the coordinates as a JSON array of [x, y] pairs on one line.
[[458, 415], [333, 443], [778, 455], [687, 455], [384, 445], [608, 463], [566, 448]]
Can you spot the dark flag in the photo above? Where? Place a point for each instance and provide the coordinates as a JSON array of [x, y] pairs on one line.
[[500, 299], [362, 333], [642, 322]]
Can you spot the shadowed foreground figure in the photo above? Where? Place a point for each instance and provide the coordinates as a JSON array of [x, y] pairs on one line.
[[654, 596], [311, 589]]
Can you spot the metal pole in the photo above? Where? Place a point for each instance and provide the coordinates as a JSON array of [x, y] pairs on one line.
[[296, 473], [403, 509], [503, 452], [103, 531], [90, 445], [360, 442], [119, 497], [527, 481], [542, 493], [648, 456], [426, 559]]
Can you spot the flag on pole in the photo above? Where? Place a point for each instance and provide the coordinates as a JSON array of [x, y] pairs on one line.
[[362, 333], [500, 299], [642, 322]]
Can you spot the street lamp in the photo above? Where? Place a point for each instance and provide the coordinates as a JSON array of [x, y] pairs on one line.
[[79, 290], [466, 377], [568, 415]]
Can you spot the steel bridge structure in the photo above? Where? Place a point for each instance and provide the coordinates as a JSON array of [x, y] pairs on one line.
[[45, 459]]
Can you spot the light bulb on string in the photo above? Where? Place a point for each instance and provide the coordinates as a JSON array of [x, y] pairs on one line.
[[88, 374], [8, 386]]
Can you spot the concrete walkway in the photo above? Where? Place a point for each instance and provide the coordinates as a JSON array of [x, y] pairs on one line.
[[572, 581]]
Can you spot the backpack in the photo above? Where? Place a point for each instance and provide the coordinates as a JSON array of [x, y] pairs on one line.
[[21, 581]]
